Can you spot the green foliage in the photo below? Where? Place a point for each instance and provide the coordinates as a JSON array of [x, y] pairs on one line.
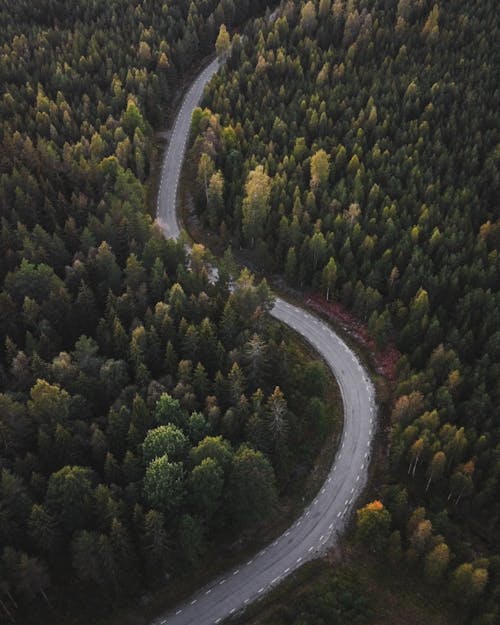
[[164, 484], [206, 484], [251, 487], [69, 497], [168, 410], [335, 599], [373, 525], [164, 440]]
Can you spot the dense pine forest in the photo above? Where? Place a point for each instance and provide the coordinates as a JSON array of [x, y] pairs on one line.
[[353, 147], [146, 413]]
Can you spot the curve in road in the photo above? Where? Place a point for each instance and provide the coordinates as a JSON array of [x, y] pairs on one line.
[[322, 521], [171, 169]]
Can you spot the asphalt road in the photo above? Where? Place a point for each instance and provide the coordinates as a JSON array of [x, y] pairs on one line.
[[167, 195], [325, 518]]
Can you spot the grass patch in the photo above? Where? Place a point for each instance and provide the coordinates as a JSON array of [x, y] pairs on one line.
[[359, 590]]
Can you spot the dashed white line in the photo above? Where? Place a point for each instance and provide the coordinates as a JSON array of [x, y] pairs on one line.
[[236, 572], [286, 570], [222, 581], [178, 612], [208, 591], [194, 601], [249, 562], [260, 590], [299, 559]]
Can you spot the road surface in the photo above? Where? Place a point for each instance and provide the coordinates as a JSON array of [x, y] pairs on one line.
[[324, 519], [166, 212]]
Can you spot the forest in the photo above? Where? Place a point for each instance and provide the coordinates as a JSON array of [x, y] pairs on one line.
[[146, 413], [353, 147]]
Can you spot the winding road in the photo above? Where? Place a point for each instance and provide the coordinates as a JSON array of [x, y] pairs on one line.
[[324, 519]]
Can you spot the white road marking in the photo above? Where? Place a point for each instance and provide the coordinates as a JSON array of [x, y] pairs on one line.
[[286, 570], [260, 590], [246, 601], [330, 527], [274, 580], [287, 533], [339, 514], [217, 621], [321, 537], [310, 549], [178, 612], [308, 513], [236, 572], [208, 591], [194, 601], [249, 562], [222, 581], [298, 560], [233, 610], [357, 479]]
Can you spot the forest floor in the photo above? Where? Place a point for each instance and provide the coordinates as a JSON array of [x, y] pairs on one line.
[[394, 597]]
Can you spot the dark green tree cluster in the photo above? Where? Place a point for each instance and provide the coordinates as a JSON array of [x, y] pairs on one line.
[[352, 146]]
